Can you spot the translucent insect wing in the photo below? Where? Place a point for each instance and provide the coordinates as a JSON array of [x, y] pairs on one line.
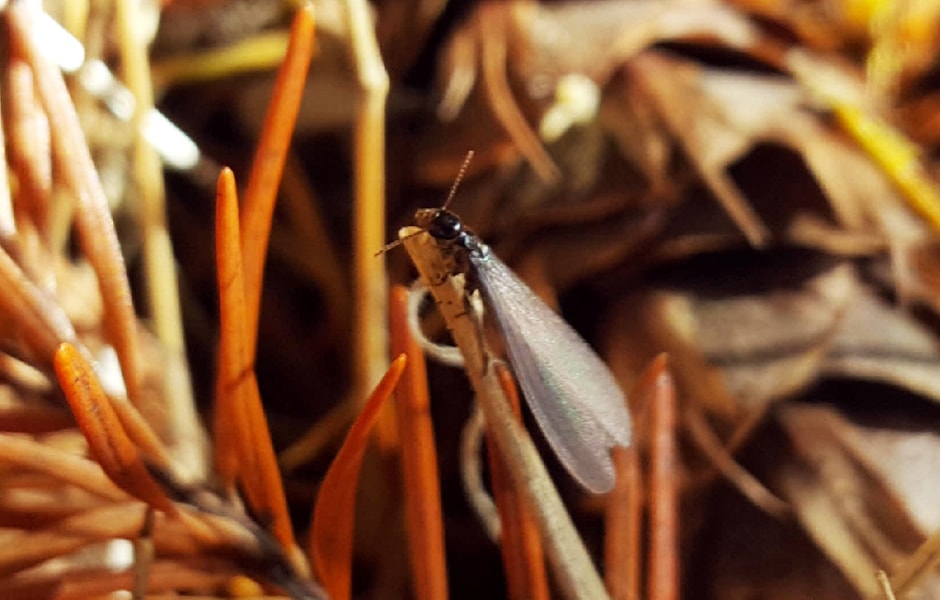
[[574, 397]]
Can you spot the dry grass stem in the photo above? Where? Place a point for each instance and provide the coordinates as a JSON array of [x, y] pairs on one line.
[[30, 156], [370, 286], [475, 491], [571, 565], [885, 584], [92, 217], [260, 52], [75, 470], [160, 264], [704, 437]]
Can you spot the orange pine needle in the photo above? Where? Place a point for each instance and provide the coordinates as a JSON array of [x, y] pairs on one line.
[[38, 321], [29, 143], [624, 509], [418, 459], [21, 550], [38, 458], [238, 400], [93, 216], [101, 427], [523, 557], [331, 536], [228, 424], [269, 160], [624, 505], [663, 576], [141, 433]]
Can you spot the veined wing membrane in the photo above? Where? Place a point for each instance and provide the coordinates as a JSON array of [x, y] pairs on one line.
[[575, 399]]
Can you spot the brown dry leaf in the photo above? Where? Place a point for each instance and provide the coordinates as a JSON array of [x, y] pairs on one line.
[[858, 481], [543, 43], [857, 485], [738, 343], [718, 116], [885, 343]]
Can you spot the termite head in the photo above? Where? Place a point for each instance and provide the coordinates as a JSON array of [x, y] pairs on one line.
[[442, 224]]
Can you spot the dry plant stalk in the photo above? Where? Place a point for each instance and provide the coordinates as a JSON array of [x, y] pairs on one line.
[[370, 287], [567, 556]]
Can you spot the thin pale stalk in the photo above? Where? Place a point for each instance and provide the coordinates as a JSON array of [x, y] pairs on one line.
[[911, 573], [21, 550], [160, 264], [572, 566], [141, 433], [39, 321], [663, 576], [885, 584], [317, 255], [707, 441], [148, 182], [144, 554], [168, 576], [67, 468], [7, 224], [523, 558], [370, 286], [261, 52], [30, 507], [327, 428], [103, 430], [30, 159], [269, 161], [93, 218], [475, 491], [331, 535], [420, 480], [23, 376]]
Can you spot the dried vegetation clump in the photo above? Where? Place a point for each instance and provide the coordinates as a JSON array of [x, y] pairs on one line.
[[735, 202]]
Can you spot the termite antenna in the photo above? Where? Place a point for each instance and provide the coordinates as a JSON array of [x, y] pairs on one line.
[[396, 243], [387, 247], [460, 174], [450, 196]]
